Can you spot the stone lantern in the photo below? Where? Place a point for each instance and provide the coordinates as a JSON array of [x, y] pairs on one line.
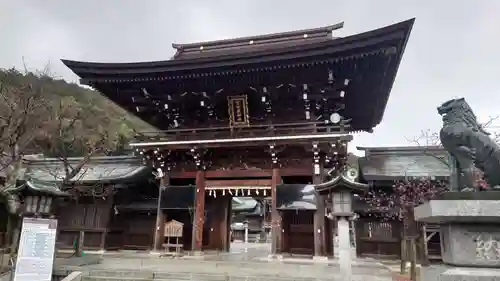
[[342, 203], [341, 190]]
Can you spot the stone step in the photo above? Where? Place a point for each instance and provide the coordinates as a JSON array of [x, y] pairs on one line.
[[189, 264], [200, 277], [261, 270], [190, 276], [217, 275], [109, 278], [225, 277], [131, 274]]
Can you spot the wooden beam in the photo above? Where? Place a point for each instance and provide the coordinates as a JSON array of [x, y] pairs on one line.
[[284, 172], [304, 139], [430, 236], [237, 183]]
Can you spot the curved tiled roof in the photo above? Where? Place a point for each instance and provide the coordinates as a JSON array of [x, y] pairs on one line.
[[34, 185], [370, 60], [392, 163], [103, 169]]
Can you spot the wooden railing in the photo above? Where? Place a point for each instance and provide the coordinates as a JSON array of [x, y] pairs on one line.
[[252, 131]]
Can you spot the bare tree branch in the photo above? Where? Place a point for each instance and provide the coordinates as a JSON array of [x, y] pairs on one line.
[[21, 114], [74, 131]]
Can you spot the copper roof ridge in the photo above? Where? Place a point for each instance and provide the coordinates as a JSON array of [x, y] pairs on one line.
[[269, 36]]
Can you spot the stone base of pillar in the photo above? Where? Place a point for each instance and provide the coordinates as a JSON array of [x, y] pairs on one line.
[[275, 257], [155, 253], [320, 258], [94, 252], [468, 226]]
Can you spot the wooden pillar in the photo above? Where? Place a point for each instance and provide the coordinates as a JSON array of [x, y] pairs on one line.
[[319, 219], [285, 231], [228, 223], [216, 224], [79, 244], [199, 212], [211, 223], [424, 245], [358, 230], [329, 236], [159, 235], [275, 216], [224, 230], [108, 220]]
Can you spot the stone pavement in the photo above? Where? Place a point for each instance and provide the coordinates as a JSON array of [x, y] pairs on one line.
[[242, 263]]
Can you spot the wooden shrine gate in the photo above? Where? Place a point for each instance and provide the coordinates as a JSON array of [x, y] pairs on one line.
[[378, 238], [298, 232]]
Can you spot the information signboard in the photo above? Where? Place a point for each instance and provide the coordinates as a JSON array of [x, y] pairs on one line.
[[35, 257]]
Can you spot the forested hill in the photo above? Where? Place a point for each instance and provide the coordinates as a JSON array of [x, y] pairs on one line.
[[80, 118]]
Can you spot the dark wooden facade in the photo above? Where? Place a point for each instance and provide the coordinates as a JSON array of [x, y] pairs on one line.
[[103, 184], [255, 114], [381, 167]]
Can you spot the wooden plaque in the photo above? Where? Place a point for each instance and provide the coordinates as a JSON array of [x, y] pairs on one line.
[[173, 228], [238, 111]]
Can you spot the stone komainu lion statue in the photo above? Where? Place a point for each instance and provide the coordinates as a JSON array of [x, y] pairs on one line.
[[469, 144]]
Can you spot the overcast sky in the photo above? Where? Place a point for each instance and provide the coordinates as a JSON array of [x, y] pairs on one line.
[[452, 51]]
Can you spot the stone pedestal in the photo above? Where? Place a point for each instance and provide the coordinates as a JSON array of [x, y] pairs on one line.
[[345, 259], [320, 258], [470, 235], [277, 257]]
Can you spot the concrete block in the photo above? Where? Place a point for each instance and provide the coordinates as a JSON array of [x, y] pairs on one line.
[[475, 245], [459, 211]]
